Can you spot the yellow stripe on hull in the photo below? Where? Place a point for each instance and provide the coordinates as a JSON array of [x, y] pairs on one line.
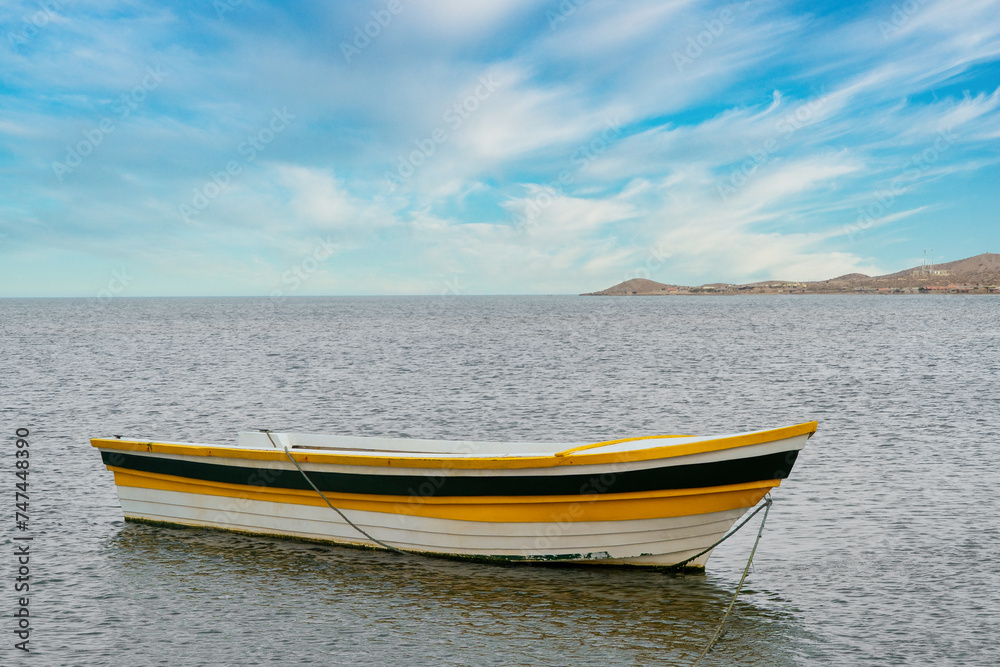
[[499, 509], [583, 455]]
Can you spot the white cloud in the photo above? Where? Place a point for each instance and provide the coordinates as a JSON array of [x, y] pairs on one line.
[[844, 109]]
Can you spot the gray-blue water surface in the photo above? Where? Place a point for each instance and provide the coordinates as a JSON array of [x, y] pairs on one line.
[[881, 549]]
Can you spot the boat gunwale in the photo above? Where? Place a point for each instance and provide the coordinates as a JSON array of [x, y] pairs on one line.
[[578, 455]]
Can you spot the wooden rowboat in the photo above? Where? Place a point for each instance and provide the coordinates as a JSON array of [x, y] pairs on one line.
[[646, 501]]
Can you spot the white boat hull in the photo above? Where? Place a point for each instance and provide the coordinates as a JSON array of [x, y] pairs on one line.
[[659, 541], [626, 502]]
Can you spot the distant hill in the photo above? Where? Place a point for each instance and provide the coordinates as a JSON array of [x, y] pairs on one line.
[[979, 274], [981, 269], [987, 264], [635, 286]]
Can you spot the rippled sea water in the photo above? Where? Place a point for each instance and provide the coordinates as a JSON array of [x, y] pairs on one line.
[[881, 549]]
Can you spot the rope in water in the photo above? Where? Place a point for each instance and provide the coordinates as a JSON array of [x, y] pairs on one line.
[[766, 507], [323, 496]]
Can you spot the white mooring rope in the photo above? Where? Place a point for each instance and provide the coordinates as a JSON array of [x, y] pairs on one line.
[[323, 496], [342, 515], [766, 507]]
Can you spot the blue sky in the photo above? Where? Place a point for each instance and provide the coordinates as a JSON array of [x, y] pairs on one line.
[[495, 147]]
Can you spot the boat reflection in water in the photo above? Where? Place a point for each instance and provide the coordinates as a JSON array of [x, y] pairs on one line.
[[308, 602]]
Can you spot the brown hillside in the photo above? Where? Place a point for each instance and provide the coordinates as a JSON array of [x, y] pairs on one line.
[[634, 287], [986, 264], [979, 270]]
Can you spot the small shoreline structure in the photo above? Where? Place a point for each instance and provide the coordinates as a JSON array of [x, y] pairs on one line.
[[974, 275]]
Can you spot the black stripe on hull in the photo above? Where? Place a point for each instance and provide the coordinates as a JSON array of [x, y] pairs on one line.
[[719, 473]]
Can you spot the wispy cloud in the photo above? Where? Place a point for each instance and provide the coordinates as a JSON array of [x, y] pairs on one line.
[[681, 140]]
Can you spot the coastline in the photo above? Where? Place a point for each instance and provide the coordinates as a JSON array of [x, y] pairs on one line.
[[875, 292], [973, 275]]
